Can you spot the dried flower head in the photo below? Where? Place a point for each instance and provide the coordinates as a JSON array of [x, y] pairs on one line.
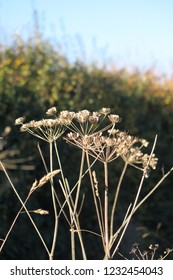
[[144, 142], [89, 136], [82, 116], [86, 124], [114, 118], [113, 131], [19, 121], [66, 117], [135, 157], [94, 117], [51, 111], [102, 147], [154, 247], [150, 254], [152, 161], [46, 129], [105, 111]]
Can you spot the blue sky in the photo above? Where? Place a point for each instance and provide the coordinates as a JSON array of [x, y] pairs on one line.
[[126, 33]]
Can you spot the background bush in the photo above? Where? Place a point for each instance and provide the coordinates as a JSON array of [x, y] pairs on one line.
[[35, 75]]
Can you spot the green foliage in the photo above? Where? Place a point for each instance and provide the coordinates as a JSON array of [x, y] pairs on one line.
[[34, 76]]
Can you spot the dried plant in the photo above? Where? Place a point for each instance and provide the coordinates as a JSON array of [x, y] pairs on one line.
[[150, 254], [96, 135]]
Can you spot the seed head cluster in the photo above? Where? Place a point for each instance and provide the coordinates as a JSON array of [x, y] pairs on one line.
[[150, 254], [94, 132], [136, 157], [48, 130], [105, 147]]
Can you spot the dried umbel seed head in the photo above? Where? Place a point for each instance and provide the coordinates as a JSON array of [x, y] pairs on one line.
[[72, 135], [113, 131], [51, 111], [114, 118], [154, 247], [82, 116], [105, 111], [66, 117], [108, 148], [67, 114], [42, 123], [134, 248], [49, 123], [152, 161], [105, 148], [94, 117], [19, 121], [24, 128], [135, 157], [88, 123], [48, 130], [144, 142], [168, 250], [109, 141]]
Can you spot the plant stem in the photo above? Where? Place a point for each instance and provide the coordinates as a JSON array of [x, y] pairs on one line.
[[27, 212], [101, 225], [79, 181], [13, 223], [116, 198], [72, 243], [76, 204], [106, 214], [74, 217], [54, 205], [141, 202], [153, 189], [136, 197], [67, 194]]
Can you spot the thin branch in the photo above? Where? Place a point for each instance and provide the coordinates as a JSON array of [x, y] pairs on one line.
[[23, 205], [136, 198]]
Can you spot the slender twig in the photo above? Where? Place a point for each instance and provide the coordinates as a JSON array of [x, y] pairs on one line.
[[75, 205], [113, 238], [100, 220], [42, 157], [54, 205], [74, 187], [142, 201], [106, 214], [13, 223], [66, 192], [116, 198], [77, 224], [76, 221], [90, 231], [136, 197], [56, 196], [153, 189], [72, 232], [79, 181], [27, 212]]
